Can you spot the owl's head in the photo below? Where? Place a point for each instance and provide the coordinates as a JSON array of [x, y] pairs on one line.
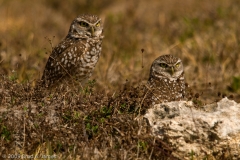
[[85, 26], [166, 66]]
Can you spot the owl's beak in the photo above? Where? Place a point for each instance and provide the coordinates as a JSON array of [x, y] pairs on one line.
[[172, 70], [92, 31]]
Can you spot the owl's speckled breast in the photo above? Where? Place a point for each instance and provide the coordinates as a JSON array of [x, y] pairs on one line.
[[165, 90], [89, 59]]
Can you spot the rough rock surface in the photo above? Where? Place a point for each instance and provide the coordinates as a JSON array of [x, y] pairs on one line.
[[212, 131]]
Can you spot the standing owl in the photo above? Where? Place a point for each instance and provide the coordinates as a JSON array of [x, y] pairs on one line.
[[166, 80], [75, 57]]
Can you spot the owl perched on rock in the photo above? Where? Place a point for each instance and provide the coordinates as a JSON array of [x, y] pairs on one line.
[[75, 57], [166, 80]]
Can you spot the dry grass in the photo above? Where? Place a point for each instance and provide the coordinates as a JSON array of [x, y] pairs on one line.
[[76, 123], [205, 35]]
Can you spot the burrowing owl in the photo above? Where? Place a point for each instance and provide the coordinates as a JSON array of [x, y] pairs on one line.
[[166, 79], [75, 57]]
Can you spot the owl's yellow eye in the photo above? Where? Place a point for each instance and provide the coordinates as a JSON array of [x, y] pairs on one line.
[[177, 65], [98, 24], [83, 24], [163, 65]]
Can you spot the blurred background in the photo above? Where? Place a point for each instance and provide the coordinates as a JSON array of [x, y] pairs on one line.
[[204, 34]]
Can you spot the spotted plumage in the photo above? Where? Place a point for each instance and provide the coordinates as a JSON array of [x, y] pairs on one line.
[[74, 59], [166, 80]]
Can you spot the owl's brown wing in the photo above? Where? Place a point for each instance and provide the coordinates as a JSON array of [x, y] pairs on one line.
[[62, 60]]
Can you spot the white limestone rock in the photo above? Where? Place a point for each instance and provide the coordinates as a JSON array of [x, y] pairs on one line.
[[213, 131]]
